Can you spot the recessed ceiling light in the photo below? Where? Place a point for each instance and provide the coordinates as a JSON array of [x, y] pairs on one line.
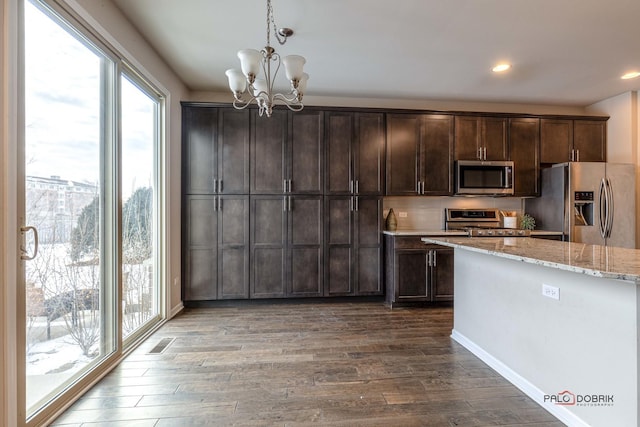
[[631, 75], [500, 68]]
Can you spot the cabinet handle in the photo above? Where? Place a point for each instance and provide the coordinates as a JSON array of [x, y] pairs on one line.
[[290, 185], [219, 186], [350, 186], [357, 186], [215, 185], [485, 153], [351, 204], [573, 155], [577, 155], [284, 203], [434, 258], [418, 187], [219, 203], [357, 203], [479, 153]]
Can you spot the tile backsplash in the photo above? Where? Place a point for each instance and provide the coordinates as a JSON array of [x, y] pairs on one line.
[[427, 213]]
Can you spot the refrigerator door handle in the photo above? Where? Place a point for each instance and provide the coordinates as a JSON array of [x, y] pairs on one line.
[[604, 200], [610, 207]]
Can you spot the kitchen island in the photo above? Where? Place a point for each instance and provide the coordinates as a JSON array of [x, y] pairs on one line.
[[557, 319]]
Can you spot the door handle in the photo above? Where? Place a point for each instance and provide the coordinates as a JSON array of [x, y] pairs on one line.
[[24, 255], [602, 197], [610, 208]]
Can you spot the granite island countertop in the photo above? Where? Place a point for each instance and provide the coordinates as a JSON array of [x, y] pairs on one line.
[[593, 260], [461, 233]]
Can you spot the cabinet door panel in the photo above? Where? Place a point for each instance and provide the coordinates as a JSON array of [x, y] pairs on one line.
[[494, 138], [268, 234], [369, 158], [268, 141], [306, 221], [233, 277], [200, 275], [339, 136], [411, 275], [267, 273], [589, 138], [339, 275], [201, 221], [199, 137], [467, 137], [442, 275], [233, 151], [556, 140], [306, 151], [233, 247], [403, 138], [369, 221], [306, 271], [524, 143], [436, 158], [338, 246], [369, 272]]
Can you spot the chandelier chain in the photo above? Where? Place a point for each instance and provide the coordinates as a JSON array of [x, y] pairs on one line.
[[275, 27]]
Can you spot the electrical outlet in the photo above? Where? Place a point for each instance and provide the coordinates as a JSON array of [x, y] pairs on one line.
[[550, 291], [402, 214]]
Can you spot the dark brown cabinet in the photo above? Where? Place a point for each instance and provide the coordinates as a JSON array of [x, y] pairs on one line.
[[286, 246], [419, 154], [287, 153], [481, 138], [524, 142], [565, 140], [416, 272], [353, 245], [216, 151], [355, 153], [217, 247]]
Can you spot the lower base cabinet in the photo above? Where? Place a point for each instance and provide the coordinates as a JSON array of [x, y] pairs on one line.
[[416, 272]]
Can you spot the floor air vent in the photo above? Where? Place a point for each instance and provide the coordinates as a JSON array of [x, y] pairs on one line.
[[161, 346]]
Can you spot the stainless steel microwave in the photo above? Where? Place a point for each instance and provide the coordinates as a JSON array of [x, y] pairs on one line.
[[484, 177]]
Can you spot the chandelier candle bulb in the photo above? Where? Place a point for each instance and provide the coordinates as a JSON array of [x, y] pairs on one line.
[[237, 81], [293, 65]]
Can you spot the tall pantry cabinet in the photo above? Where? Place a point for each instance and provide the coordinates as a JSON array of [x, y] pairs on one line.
[[354, 185], [216, 203]]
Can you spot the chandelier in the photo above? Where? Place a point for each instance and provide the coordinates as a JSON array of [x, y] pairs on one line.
[[260, 90]]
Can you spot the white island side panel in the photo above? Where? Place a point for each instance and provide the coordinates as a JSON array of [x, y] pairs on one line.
[[585, 342]]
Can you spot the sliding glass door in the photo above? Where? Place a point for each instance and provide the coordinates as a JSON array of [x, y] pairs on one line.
[[92, 162]]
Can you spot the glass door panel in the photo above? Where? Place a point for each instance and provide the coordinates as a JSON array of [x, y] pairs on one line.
[[139, 118], [67, 317]]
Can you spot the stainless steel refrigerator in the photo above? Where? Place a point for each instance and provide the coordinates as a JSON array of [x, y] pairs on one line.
[[590, 202]]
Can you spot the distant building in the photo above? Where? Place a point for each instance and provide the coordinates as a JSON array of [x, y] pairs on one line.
[[54, 205]]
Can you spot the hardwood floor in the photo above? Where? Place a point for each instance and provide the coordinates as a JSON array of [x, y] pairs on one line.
[[292, 364]]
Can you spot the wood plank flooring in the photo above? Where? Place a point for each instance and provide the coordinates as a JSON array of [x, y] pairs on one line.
[[294, 364]]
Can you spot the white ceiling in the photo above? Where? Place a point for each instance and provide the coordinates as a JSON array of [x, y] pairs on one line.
[[564, 52]]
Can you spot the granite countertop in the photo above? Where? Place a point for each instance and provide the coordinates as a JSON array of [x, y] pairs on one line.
[[594, 260], [447, 233], [443, 233]]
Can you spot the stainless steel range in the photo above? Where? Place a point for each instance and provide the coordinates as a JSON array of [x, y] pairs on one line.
[[480, 223]]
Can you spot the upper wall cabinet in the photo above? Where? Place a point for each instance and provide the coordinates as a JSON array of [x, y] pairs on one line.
[[565, 140], [287, 152], [216, 150], [419, 154], [354, 153], [481, 138], [524, 143]]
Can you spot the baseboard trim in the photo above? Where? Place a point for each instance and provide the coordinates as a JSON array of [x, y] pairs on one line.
[[176, 310], [560, 412]]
